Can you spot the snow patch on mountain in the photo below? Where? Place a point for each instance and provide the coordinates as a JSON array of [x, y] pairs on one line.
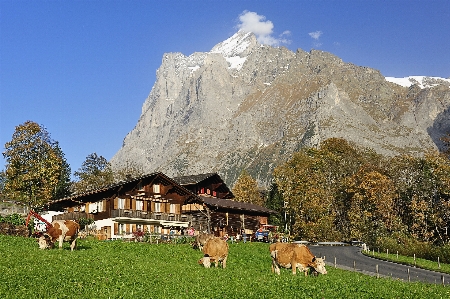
[[421, 81]]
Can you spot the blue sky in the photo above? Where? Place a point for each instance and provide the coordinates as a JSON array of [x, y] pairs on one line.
[[83, 69]]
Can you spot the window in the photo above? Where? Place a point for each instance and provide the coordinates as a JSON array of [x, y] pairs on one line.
[[121, 203], [121, 228], [156, 188], [100, 206], [172, 208], [157, 207], [139, 205], [92, 207]]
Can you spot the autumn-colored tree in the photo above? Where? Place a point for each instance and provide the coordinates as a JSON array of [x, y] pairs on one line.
[[312, 183], [94, 173], [371, 197], [34, 166], [130, 170], [423, 187], [246, 189], [340, 191]]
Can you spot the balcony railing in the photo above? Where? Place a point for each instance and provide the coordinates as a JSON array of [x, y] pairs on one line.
[[127, 214], [73, 216], [150, 215]]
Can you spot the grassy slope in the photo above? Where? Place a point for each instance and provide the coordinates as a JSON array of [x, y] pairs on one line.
[[141, 270], [407, 260]]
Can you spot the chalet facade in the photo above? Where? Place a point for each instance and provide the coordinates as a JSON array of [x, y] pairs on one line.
[[162, 205], [150, 203], [215, 210]]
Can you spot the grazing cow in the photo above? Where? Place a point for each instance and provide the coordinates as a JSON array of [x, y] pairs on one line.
[[296, 256], [61, 230], [201, 239], [215, 250]]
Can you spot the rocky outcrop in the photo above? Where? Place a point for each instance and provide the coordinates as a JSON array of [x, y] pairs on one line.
[[248, 106]]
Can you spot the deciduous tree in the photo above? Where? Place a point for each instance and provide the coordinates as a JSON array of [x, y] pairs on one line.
[[34, 166], [130, 170], [94, 173], [246, 189]]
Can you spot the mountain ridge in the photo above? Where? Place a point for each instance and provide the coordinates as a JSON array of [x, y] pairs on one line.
[[249, 106]]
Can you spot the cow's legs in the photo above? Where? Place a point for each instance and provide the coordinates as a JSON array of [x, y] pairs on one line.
[[277, 269], [217, 262], [73, 245], [61, 239], [224, 262], [294, 267]]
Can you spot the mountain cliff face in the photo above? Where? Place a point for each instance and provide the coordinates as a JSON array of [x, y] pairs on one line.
[[248, 106]]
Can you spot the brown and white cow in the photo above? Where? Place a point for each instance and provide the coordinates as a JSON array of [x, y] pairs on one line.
[[215, 250], [201, 239], [296, 256], [61, 230]]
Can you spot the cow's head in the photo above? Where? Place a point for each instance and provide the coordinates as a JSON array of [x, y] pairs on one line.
[[45, 242], [205, 261], [319, 265]]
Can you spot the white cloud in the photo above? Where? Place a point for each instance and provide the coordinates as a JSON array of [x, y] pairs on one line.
[[315, 34], [252, 22]]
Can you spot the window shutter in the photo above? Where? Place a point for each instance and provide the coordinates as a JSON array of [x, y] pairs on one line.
[[116, 228], [116, 203], [133, 204]]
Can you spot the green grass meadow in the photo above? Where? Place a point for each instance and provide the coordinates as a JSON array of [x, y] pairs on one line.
[[116, 269]]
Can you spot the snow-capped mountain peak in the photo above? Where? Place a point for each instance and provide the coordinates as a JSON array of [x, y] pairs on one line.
[[236, 48]]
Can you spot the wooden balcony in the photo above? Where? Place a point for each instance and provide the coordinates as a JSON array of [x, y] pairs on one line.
[[73, 216], [133, 214]]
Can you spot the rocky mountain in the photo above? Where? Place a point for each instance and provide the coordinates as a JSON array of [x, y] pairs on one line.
[[244, 105]]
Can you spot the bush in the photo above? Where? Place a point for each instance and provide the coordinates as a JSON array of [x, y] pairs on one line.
[[406, 245], [14, 219]]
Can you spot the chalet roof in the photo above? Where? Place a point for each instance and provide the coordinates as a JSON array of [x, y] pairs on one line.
[[109, 191], [193, 179], [235, 205], [213, 180]]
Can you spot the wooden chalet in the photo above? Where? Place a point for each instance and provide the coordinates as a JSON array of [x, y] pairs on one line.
[[214, 210], [150, 203]]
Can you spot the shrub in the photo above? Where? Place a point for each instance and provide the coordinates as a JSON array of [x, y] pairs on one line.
[[406, 245], [14, 219]]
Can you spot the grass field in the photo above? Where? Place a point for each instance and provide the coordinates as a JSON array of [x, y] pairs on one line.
[[409, 260], [116, 269]]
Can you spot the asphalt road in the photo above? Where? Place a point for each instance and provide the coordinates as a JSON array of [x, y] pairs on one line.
[[350, 257]]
